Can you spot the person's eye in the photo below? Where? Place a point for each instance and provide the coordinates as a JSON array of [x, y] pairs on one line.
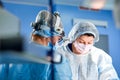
[[81, 42], [89, 42], [59, 39]]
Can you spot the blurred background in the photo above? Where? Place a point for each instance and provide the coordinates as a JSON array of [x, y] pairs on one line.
[[105, 14]]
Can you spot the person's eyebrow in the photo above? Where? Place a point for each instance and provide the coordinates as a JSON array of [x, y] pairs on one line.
[[83, 40]]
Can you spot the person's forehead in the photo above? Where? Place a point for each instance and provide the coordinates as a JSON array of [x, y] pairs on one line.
[[82, 37]]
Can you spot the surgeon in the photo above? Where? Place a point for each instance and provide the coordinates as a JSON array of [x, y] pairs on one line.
[[53, 35], [43, 35], [87, 62]]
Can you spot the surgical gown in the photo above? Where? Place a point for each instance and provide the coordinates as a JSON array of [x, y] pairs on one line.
[[30, 71], [94, 65]]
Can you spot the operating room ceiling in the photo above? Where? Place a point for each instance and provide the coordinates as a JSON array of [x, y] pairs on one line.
[[107, 6]]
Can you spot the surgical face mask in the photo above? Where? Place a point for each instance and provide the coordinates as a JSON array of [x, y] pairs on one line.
[[53, 46], [81, 48], [57, 45]]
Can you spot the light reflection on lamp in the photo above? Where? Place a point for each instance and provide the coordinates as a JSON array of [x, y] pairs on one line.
[[97, 4], [92, 4]]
